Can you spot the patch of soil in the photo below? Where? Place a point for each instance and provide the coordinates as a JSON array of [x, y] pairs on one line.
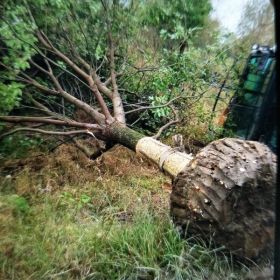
[[122, 161], [69, 165]]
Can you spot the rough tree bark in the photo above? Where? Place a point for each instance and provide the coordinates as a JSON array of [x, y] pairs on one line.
[[227, 193]]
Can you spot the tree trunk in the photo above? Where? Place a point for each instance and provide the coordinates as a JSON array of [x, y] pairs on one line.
[[168, 159], [225, 193]]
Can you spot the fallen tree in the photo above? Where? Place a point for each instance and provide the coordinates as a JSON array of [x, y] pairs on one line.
[[225, 193]]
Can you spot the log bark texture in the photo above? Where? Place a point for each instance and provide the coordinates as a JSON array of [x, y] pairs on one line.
[[169, 160], [227, 194]]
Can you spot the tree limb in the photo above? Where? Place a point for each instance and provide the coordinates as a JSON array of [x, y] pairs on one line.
[[116, 98], [167, 125], [101, 86], [46, 42], [109, 80], [99, 118], [152, 107], [164, 127], [20, 119], [49, 132], [100, 99], [42, 107]]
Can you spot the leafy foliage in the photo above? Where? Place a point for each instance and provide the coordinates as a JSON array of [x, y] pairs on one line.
[[18, 203], [18, 146], [162, 53], [10, 96], [177, 20], [17, 40], [76, 19]]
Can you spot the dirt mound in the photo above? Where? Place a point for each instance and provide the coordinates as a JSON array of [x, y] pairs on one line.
[[122, 161], [35, 163], [69, 165]]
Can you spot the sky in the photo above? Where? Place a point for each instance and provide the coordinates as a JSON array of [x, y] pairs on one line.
[[228, 12]]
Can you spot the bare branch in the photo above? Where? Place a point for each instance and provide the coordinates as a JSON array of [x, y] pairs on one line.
[[100, 99], [39, 67], [116, 99], [83, 62], [68, 97], [112, 65], [101, 86], [108, 81], [46, 42], [20, 119], [28, 80], [40, 105], [167, 125], [37, 130], [164, 127], [101, 64], [153, 107], [36, 84], [46, 110]]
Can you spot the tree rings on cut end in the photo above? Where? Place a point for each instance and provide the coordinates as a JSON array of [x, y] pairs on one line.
[[227, 193]]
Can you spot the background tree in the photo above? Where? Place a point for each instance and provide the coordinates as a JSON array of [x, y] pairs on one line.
[[176, 22], [257, 24]]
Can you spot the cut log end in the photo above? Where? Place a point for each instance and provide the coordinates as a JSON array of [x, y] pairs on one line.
[[227, 194]]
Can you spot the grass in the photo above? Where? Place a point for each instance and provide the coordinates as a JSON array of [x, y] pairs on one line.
[[114, 227]]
